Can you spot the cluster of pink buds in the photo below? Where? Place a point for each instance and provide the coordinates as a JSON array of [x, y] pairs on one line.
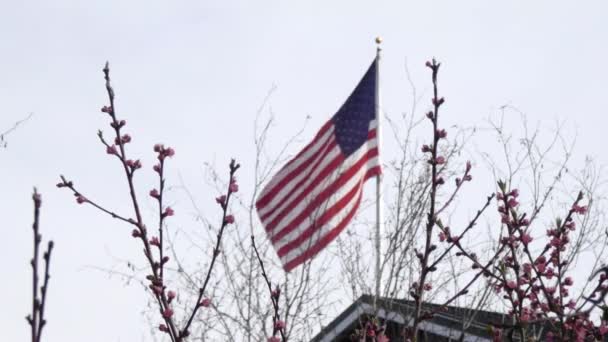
[[163, 152]]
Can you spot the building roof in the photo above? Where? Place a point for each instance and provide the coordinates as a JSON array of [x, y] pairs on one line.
[[444, 326]]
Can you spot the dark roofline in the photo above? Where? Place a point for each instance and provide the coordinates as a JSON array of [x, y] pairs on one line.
[[403, 307]]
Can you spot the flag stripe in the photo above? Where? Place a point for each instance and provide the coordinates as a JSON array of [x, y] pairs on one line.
[[305, 209], [296, 165], [317, 218], [301, 181], [309, 250], [309, 226], [294, 194]]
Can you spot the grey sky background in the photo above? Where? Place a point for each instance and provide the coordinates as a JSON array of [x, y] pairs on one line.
[[193, 73]]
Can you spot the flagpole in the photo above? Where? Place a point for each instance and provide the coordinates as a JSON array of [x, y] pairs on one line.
[[378, 177]]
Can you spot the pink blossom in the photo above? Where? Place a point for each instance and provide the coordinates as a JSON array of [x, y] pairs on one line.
[[427, 287], [167, 313], [221, 200], [279, 325], [154, 193], [603, 328], [169, 152], [155, 241], [170, 295], [526, 239], [568, 281], [512, 203], [511, 284], [229, 219], [126, 139], [439, 160], [206, 302], [442, 236], [233, 187], [582, 210], [111, 150], [438, 102], [168, 212], [514, 193]]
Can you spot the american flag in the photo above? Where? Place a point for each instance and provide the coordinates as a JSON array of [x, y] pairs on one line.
[[316, 194]]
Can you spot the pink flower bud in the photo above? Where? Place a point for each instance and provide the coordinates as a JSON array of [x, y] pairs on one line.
[[163, 328], [514, 193], [439, 160], [582, 210], [221, 200], [165, 259], [156, 168], [154, 241], [426, 148], [511, 285], [430, 115], [279, 325], [229, 219], [158, 148], [135, 233], [568, 281], [438, 102], [441, 133], [468, 166], [154, 193], [467, 178], [169, 152], [170, 295], [168, 212], [111, 150], [429, 64], [81, 199], [274, 339], [167, 313], [206, 302], [233, 187], [526, 239], [106, 109], [442, 236]]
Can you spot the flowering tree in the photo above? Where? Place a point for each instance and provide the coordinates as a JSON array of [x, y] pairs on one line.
[[154, 246]]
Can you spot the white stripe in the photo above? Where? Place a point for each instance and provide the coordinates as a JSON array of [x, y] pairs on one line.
[[309, 220], [318, 188], [318, 144]]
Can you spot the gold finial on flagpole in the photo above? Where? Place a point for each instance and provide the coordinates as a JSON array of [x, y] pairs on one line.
[[378, 40]]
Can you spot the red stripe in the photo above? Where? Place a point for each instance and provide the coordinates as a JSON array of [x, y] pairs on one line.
[[325, 217], [323, 242], [318, 200], [313, 161], [306, 181]]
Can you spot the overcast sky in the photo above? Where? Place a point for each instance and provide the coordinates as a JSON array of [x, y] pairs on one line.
[[193, 73]]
